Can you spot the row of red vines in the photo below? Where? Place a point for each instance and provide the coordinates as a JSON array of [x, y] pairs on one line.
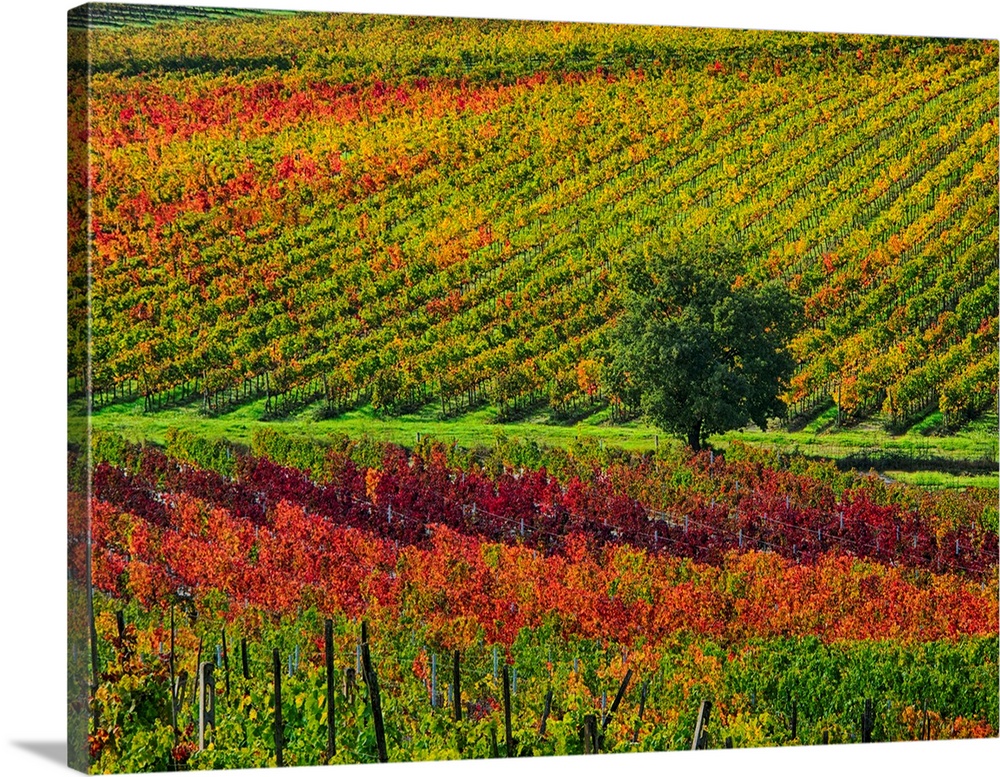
[[399, 500], [461, 586]]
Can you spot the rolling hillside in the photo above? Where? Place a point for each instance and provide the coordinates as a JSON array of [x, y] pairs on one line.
[[345, 210]]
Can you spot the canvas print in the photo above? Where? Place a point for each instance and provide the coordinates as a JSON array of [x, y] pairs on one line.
[[469, 388]]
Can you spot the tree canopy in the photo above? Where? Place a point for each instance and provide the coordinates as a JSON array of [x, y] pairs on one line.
[[698, 348]]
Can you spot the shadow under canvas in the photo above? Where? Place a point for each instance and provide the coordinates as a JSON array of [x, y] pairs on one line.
[[50, 751]]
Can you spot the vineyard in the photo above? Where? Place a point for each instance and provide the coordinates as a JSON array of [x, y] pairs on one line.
[[343, 211], [426, 229], [794, 593], [99, 15]]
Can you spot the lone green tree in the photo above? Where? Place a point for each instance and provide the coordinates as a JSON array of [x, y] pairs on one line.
[[698, 349]]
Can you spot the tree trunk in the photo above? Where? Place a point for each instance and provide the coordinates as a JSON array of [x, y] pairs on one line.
[[694, 435]]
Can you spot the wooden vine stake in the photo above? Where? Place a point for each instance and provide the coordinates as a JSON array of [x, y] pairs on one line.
[[642, 708], [225, 660], [508, 735], [246, 663], [197, 661], [331, 739], [350, 683], [279, 727], [589, 734], [180, 689], [456, 686], [618, 700], [867, 721], [206, 701], [434, 675], [173, 679], [545, 713], [698, 741], [371, 680], [606, 719]]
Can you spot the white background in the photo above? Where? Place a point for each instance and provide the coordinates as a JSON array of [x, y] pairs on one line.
[[32, 432]]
